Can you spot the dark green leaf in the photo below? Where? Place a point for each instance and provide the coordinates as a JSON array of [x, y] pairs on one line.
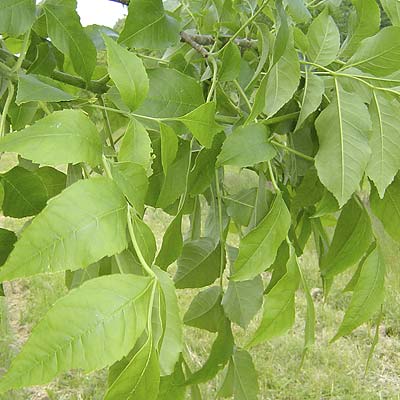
[[7, 240], [230, 67], [16, 17]]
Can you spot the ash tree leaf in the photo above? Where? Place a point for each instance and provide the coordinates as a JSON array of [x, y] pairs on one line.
[[128, 73], [258, 249], [282, 36], [246, 146], [327, 205], [384, 141], [279, 305], [343, 153], [392, 9], [62, 137], [16, 17], [240, 206], [312, 96], [172, 386], [7, 240], [169, 146], [352, 238], [378, 55], [298, 10], [205, 310], [230, 67], [199, 264], [53, 180], [242, 300], [324, 39], [140, 379], [148, 26], [201, 122], [90, 328], [245, 383], [367, 296], [366, 24], [66, 33], [171, 94], [387, 209], [83, 224], [145, 238], [1, 194], [33, 88]]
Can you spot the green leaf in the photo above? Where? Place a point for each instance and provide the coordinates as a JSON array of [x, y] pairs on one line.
[[86, 222], [392, 9], [53, 180], [343, 153], [145, 238], [298, 10], [199, 264], [87, 319], [132, 180], [16, 17], [136, 145], [282, 36], [140, 378], [33, 88], [172, 386], [246, 146], [384, 141], [312, 96], [367, 23], [66, 33], [7, 240], [171, 94], [279, 307], [230, 67], [169, 146], [257, 250], [380, 54], [66, 136], [205, 310], [352, 237], [387, 209], [172, 340], [201, 122], [324, 39], [368, 294], [147, 26], [240, 206], [128, 73], [242, 300], [327, 205]]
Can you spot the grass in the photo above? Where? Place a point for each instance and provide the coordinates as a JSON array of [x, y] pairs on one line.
[[330, 371]]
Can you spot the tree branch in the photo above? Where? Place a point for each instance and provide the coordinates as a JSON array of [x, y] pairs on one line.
[[190, 40]]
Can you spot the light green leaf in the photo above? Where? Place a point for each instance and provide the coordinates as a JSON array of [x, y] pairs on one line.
[[392, 9], [140, 379], [7, 240], [368, 294], [169, 146], [16, 17], [83, 224], [343, 153], [205, 310], [147, 26], [136, 145], [31, 88], [242, 300], [352, 237], [327, 205], [171, 94], [107, 313], [246, 146], [312, 96], [387, 209], [245, 384], [380, 54], [201, 122], [66, 136], [384, 141], [279, 305], [145, 239], [128, 73], [298, 10], [199, 264], [230, 67], [367, 23], [66, 33], [324, 39], [257, 250]]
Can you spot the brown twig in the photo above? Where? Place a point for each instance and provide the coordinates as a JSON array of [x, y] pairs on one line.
[[190, 40]]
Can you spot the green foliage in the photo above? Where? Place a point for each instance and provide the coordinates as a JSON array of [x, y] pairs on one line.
[[279, 90]]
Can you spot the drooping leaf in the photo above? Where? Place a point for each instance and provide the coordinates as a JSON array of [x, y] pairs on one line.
[[343, 144], [7, 240], [201, 122], [282, 36], [324, 39], [230, 67], [352, 237], [86, 222], [148, 26], [145, 239], [392, 9], [66, 33], [107, 313], [66, 136], [367, 296], [16, 17], [169, 146], [172, 386], [127, 71], [246, 146], [257, 250]]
